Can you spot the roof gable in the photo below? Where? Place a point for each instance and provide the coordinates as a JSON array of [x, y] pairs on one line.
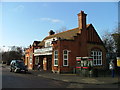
[[35, 43], [92, 35]]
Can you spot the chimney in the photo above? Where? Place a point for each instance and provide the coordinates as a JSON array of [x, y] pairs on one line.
[[82, 20], [51, 32]]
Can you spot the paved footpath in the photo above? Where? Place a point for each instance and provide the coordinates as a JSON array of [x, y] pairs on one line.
[[74, 78]]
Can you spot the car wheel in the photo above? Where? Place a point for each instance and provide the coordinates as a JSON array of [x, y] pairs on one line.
[[10, 70], [25, 72]]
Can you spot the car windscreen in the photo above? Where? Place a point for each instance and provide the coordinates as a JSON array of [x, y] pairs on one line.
[[21, 64]]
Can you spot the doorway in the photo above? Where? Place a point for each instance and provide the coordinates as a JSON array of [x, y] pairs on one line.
[[49, 63]]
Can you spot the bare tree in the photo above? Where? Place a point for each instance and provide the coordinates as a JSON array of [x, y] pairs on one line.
[[62, 29], [109, 42], [116, 37], [14, 53]]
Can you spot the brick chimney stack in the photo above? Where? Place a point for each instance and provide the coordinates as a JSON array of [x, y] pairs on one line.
[[82, 20]]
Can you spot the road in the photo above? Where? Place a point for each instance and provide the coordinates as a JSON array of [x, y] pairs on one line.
[[21, 80], [29, 80]]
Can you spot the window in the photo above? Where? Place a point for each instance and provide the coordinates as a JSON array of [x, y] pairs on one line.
[[31, 59], [47, 44], [65, 58], [97, 57], [56, 58], [36, 60]]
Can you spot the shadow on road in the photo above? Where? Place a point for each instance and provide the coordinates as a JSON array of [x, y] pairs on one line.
[[23, 72]]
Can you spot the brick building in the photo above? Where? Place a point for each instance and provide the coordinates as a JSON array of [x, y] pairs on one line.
[[29, 55], [58, 52]]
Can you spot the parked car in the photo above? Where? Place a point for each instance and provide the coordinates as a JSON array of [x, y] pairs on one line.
[[18, 66]]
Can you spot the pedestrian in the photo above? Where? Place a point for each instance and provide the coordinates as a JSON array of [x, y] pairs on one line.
[[112, 67], [38, 67]]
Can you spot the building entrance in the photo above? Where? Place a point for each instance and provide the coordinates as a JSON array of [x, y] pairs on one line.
[[47, 63]]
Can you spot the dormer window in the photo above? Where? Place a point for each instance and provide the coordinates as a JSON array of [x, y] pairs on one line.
[[47, 44]]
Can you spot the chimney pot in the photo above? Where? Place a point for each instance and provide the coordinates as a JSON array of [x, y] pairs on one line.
[[51, 32]]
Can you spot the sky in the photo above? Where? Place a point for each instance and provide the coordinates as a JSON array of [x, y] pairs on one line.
[[25, 22]]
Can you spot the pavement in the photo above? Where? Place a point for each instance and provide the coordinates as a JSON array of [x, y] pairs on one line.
[[74, 78]]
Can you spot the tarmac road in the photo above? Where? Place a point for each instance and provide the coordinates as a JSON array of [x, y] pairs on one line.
[[29, 80], [21, 80]]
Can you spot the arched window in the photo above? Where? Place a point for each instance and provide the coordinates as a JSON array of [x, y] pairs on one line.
[[97, 57]]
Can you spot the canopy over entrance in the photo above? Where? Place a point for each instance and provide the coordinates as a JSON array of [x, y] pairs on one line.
[[43, 51]]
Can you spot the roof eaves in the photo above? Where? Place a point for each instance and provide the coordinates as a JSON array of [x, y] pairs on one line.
[[62, 32]]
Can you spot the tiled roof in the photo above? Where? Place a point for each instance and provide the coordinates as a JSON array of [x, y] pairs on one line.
[[36, 43], [69, 34]]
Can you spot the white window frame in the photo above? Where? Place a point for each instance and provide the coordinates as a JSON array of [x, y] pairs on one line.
[[65, 59], [98, 55], [55, 59]]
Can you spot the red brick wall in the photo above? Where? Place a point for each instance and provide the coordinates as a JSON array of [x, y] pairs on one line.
[[29, 52], [81, 46], [92, 35], [73, 48]]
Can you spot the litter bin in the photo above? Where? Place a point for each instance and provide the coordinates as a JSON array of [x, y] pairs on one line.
[[85, 71]]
